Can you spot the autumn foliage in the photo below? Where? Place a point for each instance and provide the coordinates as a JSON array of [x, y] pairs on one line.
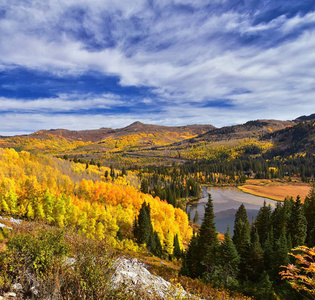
[[301, 276], [52, 191]]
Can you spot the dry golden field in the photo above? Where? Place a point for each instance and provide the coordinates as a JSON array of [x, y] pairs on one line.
[[276, 189]]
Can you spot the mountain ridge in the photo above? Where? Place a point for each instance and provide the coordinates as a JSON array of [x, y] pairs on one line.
[[97, 135]]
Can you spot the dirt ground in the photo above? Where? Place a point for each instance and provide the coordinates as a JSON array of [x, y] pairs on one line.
[[276, 189]]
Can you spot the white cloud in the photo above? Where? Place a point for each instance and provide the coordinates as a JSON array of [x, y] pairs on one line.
[[186, 58], [63, 103]]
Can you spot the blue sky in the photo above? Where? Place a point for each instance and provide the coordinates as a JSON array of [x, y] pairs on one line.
[[106, 63]]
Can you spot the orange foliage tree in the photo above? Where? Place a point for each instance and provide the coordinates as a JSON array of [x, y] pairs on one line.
[[301, 276], [46, 189]]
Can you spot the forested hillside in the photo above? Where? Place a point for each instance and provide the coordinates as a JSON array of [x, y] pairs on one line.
[[63, 194], [128, 189]]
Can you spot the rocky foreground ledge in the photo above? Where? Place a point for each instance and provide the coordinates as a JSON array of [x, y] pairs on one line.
[[131, 274], [128, 274]]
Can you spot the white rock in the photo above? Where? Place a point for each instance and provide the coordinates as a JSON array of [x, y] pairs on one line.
[[10, 295], [133, 275], [17, 287]]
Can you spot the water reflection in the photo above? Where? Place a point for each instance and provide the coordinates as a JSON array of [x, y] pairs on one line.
[[226, 201]]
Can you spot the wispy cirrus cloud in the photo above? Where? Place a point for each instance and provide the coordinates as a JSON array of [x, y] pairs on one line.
[[62, 103], [159, 61]]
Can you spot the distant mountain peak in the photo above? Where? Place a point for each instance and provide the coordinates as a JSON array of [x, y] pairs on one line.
[[136, 123], [305, 118]]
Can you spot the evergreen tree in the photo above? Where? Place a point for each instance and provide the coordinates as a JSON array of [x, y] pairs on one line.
[[297, 223], [144, 186], [262, 222], [269, 252], [279, 218], [196, 217], [228, 258], [309, 212], [151, 244], [265, 290], [241, 236], [123, 171], [207, 237], [281, 257], [255, 261], [191, 260], [177, 250], [112, 172], [143, 227], [311, 238], [119, 234], [241, 240], [158, 251]]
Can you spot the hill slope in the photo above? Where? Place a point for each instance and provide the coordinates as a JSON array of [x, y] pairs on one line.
[[97, 135], [247, 130]]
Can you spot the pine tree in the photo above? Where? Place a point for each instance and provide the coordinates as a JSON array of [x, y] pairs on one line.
[[191, 260], [297, 224], [144, 186], [143, 227], [255, 262], [196, 217], [241, 240], [119, 234], [200, 255], [262, 222], [311, 237], [269, 257], [151, 244], [265, 290], [207, 237], [279, 218], [177, 250], [281, 257], [112, 172], [123, 172], [309, 212], [158, 251], [228, 258], [241, 236]]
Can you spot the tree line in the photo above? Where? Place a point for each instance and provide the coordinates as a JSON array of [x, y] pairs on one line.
[[250, 261]]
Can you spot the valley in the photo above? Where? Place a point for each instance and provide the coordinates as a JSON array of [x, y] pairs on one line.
[[155, 192]]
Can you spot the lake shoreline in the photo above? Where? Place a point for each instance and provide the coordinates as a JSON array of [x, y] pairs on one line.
[[250, 192]]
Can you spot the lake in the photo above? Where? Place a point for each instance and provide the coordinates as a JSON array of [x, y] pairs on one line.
[[226, 201]]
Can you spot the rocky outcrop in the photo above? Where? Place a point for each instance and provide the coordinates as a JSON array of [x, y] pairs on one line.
[[131, 274]]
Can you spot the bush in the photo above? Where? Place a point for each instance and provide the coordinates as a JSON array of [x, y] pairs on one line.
[[51, 264]]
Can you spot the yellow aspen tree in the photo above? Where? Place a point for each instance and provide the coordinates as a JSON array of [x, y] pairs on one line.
[[30, 212], [59, 211], [169, 242], [4, 206], [48, 206], [82, 222], [91, 228], [11, 200], [38, 211], [100, 231]]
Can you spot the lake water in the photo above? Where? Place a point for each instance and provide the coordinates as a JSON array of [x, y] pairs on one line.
[[226, 202]]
